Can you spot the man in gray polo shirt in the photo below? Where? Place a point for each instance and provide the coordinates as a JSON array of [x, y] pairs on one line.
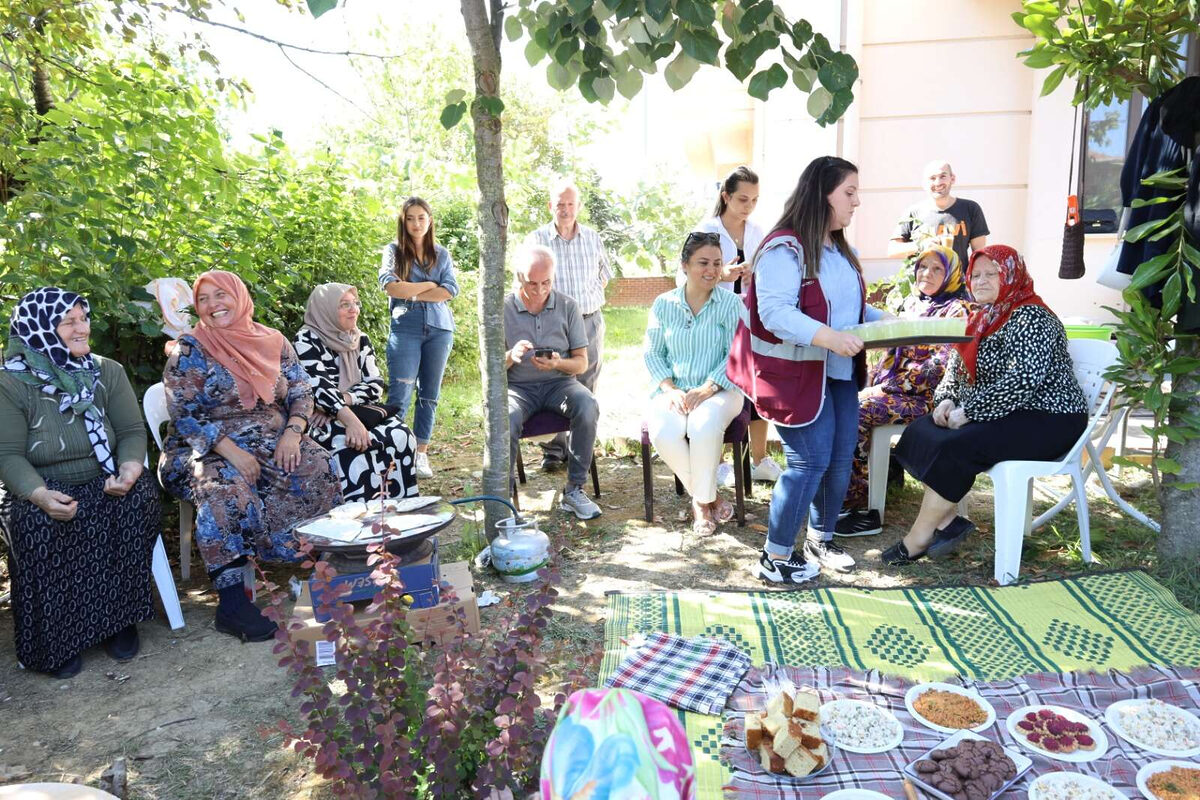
[[581, 264], [547, 348]]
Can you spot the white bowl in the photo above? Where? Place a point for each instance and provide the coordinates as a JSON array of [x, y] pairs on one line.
[[1144, 774], [1080, 779], [829, 735], [855, 794], [911, 696], [1112, 715], [1077, 757]]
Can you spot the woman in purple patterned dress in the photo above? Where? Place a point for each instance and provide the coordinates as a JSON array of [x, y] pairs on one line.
[[902, 383]]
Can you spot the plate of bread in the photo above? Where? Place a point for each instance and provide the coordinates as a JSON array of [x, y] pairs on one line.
[[786, 737]]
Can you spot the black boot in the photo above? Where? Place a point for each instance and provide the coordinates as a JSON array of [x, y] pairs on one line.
[[69, 669], [237, 616], [124, 644]]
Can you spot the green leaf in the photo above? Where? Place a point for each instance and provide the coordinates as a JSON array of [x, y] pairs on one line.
[[1171, 292], [657, 9], [513, 28], [700, 45], [1152, 201], [1167, 179], [319, 7], [1041, 25], [1168, 466], [1149, 272], [755, 15], [1054, 79], [841, 101], [771, 78], [456, 96], [492, 105], [804, 79], [558, 76], [604, 87], [1039, 58], [534, 53], [680, 71], [818, 101], [1145, 229], [699, 13], [838, 73], [629, 83], [801, 33], [451, 114]]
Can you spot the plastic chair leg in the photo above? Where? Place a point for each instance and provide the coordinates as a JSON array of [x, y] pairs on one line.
[[1081, 513], [187, 518], [1012, 504], [877, 466], [165, 581]]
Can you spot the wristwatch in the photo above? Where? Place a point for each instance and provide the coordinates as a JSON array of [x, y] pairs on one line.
[[296, 428]]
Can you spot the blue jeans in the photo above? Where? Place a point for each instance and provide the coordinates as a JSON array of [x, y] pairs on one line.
[[819, 457], [416, 358]]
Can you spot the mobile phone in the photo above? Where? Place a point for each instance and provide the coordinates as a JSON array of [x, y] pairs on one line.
[[543, 352]]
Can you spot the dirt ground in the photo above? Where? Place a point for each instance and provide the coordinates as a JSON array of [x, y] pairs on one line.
[[196, 713]]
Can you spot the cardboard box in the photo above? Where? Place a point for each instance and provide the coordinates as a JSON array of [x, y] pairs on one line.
[[433, 625], [421, 579]]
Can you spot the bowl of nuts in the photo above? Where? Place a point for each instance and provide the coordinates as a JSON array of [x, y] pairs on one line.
[[968, 766]]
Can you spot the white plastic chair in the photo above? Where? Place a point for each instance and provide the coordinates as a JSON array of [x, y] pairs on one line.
[[1013, 480], [877, 468], [154, 405]]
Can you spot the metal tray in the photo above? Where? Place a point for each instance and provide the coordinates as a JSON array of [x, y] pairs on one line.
[[1022, 762], [903, 341], [397, 544]]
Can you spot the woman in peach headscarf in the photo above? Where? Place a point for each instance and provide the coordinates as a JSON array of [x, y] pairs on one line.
[[240, 402]]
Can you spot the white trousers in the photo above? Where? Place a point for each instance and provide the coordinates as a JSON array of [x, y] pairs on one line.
[[691, 444]]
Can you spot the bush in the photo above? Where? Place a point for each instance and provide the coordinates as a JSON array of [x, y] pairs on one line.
[[460, 722]]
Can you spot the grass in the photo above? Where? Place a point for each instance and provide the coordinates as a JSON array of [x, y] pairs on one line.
[[624, 327]]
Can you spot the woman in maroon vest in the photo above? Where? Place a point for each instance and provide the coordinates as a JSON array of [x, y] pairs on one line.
[[790, 358]]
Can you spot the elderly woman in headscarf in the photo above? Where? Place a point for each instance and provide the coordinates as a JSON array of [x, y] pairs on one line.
[[1008, 393], [80, 515], [368, 439], [901, 385], [236, 448]]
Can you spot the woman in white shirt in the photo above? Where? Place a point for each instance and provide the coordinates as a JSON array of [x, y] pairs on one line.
[[740, 239]]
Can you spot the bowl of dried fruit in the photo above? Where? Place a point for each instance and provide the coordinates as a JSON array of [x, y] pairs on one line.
[[948, 708], [968, 766], [1058, 733]]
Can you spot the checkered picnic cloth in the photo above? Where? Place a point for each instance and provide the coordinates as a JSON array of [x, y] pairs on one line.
[[694, 674], [1088, 693]]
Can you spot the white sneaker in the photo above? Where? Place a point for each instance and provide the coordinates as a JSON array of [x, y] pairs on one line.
[[793, 570], [766, 470], [575, 501], [421, 466], [830, 555], [724, 474]]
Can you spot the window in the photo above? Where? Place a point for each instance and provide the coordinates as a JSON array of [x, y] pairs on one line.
[[1108, 131]]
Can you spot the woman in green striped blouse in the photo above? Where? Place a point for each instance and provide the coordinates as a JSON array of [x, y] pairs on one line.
[[688, 336]]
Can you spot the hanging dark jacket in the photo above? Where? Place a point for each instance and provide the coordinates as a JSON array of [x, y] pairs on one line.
[[1165, 138]]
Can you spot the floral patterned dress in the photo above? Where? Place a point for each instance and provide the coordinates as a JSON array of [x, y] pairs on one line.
[[392, 443], [233, 518], [903, 383]]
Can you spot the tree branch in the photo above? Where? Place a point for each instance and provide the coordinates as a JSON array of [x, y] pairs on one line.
[[268, 39], [360, 109], [497, 22]]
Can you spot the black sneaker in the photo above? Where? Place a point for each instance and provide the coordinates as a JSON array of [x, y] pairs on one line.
[[123, 645], [552, 464], [897, 555], [794, 570], [859, 523], [946, 540], [828, 554]]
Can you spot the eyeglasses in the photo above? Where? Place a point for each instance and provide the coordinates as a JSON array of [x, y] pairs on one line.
[[346, 306]]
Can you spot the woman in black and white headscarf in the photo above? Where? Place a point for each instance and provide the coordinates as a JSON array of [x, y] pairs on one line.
[[79, 513]]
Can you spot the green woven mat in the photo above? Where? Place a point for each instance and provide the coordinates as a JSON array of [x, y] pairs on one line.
[[1116, 620]]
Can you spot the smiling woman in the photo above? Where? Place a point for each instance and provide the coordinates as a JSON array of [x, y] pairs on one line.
[[79, 512]]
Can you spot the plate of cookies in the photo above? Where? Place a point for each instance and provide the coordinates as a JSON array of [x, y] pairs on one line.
[[1058, 733], [786, 738], [968, 766]]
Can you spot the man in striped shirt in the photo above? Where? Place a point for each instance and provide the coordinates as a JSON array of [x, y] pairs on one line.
[[581, 274]]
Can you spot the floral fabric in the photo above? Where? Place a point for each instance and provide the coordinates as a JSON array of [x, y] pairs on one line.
[[617, 744], [1016, 290], [234, 518]]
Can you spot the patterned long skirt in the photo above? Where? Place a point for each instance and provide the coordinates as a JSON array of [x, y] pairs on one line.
[[883, 409], [392, 444], [235, 519], [75, 584]]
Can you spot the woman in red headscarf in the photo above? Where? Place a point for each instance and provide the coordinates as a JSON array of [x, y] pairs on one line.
[[1008, 393], [240, 402]]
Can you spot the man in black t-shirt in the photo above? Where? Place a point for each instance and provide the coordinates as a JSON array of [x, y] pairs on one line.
[[941, 218]]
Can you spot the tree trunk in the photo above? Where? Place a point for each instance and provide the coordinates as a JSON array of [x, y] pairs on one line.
[[483, 34], [1179, 541]]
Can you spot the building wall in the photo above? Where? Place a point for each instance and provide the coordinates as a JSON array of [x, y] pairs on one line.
[[941, 79], [637, 290]]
